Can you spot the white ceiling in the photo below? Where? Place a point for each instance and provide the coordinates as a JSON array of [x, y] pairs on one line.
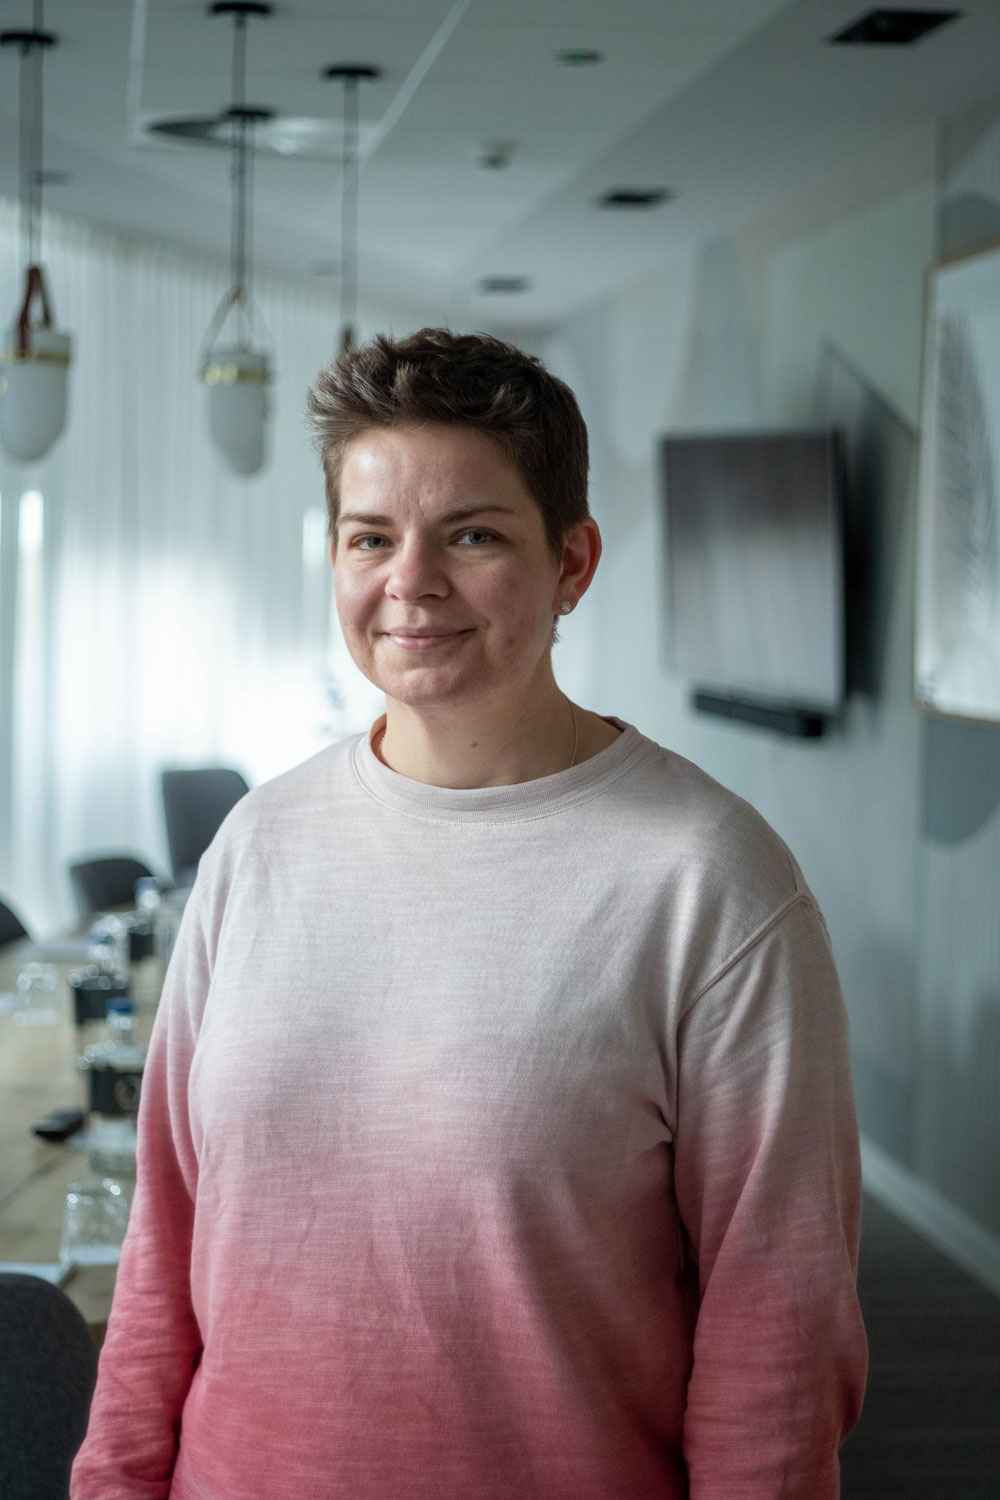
[[732, 104]]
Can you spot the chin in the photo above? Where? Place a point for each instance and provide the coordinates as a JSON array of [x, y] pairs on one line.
[[424, 687], [431, 695]]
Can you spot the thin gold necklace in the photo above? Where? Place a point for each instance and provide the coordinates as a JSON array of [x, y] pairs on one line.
[[576, 740]]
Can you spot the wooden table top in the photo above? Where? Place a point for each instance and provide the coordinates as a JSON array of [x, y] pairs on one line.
[[38, 1072]]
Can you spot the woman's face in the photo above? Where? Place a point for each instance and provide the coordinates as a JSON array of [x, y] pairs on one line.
[[437, 533]]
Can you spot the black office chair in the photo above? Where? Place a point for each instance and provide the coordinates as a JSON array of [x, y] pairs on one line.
[[194, 804], [11, 926], [47, 1378], [106, 881]]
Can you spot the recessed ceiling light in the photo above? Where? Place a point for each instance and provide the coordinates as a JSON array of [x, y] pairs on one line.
[[504, 284], [201, 129], [307, 139], [360, 72], [635, 197], [894, 28], [579, 57]]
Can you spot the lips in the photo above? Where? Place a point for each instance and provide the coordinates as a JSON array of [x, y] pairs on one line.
[[423, 640]]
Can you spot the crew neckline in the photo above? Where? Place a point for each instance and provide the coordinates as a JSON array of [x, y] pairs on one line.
[[537, 798]]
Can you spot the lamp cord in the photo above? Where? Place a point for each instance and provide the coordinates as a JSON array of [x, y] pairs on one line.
[[349, 216], [30, 154], [36, 174], [241, 173]]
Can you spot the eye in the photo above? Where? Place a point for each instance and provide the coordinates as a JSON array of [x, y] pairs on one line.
[[481, 538]]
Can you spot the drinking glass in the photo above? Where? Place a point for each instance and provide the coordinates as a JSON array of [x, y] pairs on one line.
[[94, 1222], [36, 1003], [109, 947]]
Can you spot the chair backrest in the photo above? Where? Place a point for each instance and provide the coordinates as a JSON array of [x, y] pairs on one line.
[[11, 926], [47, 1377], [105, 881], [195, 802]]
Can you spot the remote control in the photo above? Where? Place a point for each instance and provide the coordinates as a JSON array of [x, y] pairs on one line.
[[58, 1124]]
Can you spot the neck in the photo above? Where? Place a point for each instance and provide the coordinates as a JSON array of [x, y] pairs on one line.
[[481, 748]]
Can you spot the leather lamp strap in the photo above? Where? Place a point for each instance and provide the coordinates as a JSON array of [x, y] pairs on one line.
[[34, 287]]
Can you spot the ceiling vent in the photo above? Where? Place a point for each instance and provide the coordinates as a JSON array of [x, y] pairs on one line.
[[635, 197], [504, 284], [894, 28], [580, 57]]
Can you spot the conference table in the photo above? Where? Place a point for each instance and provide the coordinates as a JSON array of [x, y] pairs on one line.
[[38, 1073]]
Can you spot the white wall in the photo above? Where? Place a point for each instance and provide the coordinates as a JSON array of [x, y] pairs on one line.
[[814, 315]]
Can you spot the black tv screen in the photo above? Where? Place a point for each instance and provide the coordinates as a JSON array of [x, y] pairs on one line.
[[754, 565]]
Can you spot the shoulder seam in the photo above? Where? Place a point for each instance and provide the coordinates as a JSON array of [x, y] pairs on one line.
[[800, 898]]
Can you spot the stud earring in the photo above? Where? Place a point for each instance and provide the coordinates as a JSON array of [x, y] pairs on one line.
[[565, 607]]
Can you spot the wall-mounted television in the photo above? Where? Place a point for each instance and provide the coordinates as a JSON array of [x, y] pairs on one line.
[[754, 574]]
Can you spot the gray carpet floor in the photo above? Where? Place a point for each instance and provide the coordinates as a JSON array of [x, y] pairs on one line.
[[930, 1428]]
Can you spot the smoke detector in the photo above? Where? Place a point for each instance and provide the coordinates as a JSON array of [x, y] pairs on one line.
[[494, 156]]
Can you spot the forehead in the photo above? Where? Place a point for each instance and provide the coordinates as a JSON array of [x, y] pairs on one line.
[[426, 466]]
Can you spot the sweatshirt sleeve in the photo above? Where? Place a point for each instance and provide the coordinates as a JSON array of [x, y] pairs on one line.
[[768, 1184], [153, 1341]]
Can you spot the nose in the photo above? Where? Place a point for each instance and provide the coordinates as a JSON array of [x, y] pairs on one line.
[[416, 571]]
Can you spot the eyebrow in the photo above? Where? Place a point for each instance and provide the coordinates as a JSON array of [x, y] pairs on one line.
[[365, 518]]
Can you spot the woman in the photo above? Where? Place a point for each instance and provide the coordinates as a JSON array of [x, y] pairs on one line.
[[497, 1135]]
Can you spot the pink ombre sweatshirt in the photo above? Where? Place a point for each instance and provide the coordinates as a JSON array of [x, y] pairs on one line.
[[495, 1144]]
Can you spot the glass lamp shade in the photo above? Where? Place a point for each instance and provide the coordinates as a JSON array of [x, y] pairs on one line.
[[237, 380], [33, 389]]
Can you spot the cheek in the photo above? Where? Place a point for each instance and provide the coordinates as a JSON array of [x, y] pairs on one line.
[[519, 615], [355, 597]]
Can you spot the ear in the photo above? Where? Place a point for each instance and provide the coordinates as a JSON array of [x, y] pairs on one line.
[[581, 553]]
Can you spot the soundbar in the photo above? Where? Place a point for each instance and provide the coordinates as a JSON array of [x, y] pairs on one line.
[[803, 723]]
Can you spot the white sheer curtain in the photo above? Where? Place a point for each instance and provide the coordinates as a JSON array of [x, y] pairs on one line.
[[155, 610]]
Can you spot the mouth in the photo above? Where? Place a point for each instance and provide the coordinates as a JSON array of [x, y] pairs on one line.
[[423, 640]]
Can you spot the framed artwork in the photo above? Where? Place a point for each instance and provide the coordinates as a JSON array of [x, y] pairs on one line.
[[957, 648]]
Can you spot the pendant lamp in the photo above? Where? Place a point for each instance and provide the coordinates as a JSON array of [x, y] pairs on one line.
[[34, 370], [351, 75], [234, 370]]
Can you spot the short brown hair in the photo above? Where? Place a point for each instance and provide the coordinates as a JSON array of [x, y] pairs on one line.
[[470, 380]]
